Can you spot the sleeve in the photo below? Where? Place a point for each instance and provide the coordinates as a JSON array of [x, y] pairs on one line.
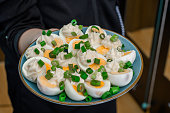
[[17, 16]]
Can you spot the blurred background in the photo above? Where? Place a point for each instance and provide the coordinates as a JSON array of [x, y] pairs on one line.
[[147, 24]]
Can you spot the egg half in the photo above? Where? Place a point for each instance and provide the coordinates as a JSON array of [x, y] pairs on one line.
[[128, 56], [31, 69], [121, 78], [97, 91], [72, 93]]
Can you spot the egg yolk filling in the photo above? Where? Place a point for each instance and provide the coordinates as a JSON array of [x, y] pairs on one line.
[[45, 82], [46, 54], [126, 53], [68, 39], [97, 66], [75, 88], [48, 67], [101, 85], [59, 42], [102, 50]]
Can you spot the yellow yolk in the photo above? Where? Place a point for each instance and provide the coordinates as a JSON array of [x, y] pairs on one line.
[[98, 31], [101, 85], [48, 67], [68, 39], [67, 68], [46, 54], [126, 53], [45, 82], [75, 42], [75, 88], [102, 50], [97, 66], [59, 42]]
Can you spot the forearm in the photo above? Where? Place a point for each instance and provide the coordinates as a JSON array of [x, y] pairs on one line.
[[27, 38]]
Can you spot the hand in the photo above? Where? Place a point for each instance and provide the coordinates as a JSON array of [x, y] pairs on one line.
[[28, 37]]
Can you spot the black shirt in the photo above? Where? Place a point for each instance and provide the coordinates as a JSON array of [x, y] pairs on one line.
[[17, 16]]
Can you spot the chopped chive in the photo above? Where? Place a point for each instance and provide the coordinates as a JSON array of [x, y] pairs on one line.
[[42, 49], [94, 27], [102, 36], [123, 46], [89, 71], [106, 95], [97, 61], [84, 36], [56, 51], [36, 51], [121, 64], [59, 67], [55, 63], [43, 32], [127, 65], [40, 63], [70, 67], [92, 49], [62, 97], [88, 99], [67, 74], [83, 49], [75, 78], [95, 82], [49, 32], [61, 49], [52, 55], [88, 60], [85, 92], [102, 69], [77, 46], [76, 67], [53, 43], [74, 22], [114, 90], [61, 85], [83, 75], [80, 87], [93, 76], [114, 38], [80, 27], [120, 70], [49, 75], [73, 33], [104, 75], [53, 68], [87, 44], [109, 60], [68, 56], [64, 45], [42, 43]]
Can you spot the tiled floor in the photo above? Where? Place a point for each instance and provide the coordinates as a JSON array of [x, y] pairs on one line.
[[123, 105]]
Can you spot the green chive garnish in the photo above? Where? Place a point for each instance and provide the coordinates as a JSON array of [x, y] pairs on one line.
[[61, 85], [121, 64], [84, 36], [49, 32], [88, 60], [43, 43], [95, 82], [102, 69], [74, 22], [83, 75], [42, 49], [120, 70], [43, 32], [40, 63], [94, 27], [114, 90], [127, 65], [67, 74], [75, 78], [87, 44], [80, 87], [76, 67], [53, 43], [109, 60], [104, 75], [85, 92], [102, 36], [68, 56], [55, 63], [49, 75], [80, 27], [97, 61], [114, 38], [93, 76], [88, 99], [73, 33], [52, 55], [77, 46], [89, 71], [106, 95], [83, 49], [70, 67], [53, 68], [62, 97], [92, 49], [36, 51]]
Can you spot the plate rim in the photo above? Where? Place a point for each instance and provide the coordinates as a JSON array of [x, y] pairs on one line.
[[88, 103]]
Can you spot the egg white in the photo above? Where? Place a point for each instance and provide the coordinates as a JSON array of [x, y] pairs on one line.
[[88, 31], [34, 77], [121, 78], [98, 92], [71, 93], [129, 57]]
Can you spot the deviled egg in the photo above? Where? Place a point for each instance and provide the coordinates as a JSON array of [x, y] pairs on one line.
[[34, 67], [50, 86], [70, 31], [96, 29]]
